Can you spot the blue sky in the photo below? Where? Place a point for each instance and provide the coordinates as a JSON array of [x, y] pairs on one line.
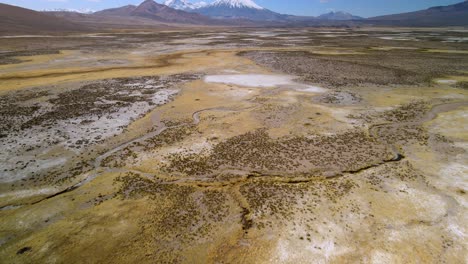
[[365, 8]]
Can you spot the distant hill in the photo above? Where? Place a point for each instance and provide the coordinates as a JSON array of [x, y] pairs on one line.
[[338, 16], [14, 20], [452, 15]]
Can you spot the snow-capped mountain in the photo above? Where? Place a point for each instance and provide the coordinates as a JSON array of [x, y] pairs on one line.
[[184, 4], [246, 9]]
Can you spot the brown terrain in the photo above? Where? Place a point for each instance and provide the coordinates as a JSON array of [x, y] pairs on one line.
[[15, 20], [234, 146]]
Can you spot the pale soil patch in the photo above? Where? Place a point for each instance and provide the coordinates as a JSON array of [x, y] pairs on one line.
[[262, 80], [447, 51], [390, 48], [444, 81], [453, 124], [251, 80]]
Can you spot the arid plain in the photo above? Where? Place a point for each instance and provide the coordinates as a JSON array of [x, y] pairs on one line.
[[306, 145]]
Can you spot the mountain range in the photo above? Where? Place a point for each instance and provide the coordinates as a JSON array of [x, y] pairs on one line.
[[151, 10], [150, 14]]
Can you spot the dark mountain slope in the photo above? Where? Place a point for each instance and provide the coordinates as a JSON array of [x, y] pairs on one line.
[[452, 15], [120, 11], [17, 20]]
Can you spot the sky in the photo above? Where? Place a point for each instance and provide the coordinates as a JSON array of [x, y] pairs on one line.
[[364, 8]]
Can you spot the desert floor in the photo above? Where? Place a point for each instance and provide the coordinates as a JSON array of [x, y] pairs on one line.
[[235, 146]]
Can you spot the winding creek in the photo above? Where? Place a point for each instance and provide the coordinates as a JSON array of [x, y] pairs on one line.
[[201, 182]]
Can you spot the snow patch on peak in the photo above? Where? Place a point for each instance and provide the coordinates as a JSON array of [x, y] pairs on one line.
[[237, 4], [81, 11], [184, 4], [199, 4]]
